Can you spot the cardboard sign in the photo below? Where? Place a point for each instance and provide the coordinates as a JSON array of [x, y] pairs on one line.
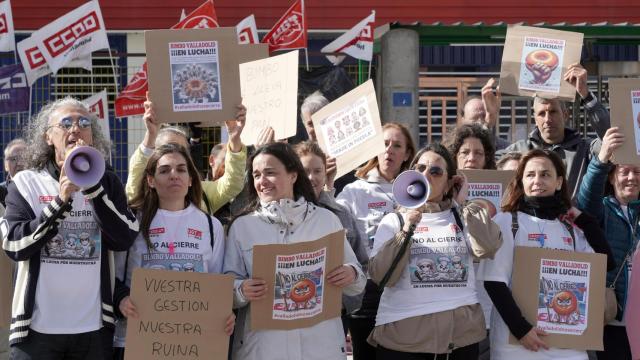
[[349, 128], [182, 315], [632, 313], [488, 185], [561, 292], [193, 73], [535, 60], [296, 276], [269, 90], [624, 102]]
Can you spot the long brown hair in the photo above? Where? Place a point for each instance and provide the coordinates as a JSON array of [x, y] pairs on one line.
[[147, 201], [411, 151], [515, 190]]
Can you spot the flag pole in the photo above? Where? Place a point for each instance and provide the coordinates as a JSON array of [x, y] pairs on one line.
[[113, 69], [306, 56], [370, 61]]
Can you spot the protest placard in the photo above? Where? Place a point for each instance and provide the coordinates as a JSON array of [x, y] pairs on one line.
[[181, 315], [562, 293], [193, 74], [269, 90], [349, 128], [624, 102], [489, 185], [296, 276], [535, 60]]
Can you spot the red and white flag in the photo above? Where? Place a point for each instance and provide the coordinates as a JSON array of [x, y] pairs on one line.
[[131, 100], [34, 64], [247, 31], [290, 32], [77, 33], [7, 37], [98, 104], [357, 42]]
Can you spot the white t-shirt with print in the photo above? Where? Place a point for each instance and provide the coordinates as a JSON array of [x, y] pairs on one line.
[[439, 275], [532, 232]]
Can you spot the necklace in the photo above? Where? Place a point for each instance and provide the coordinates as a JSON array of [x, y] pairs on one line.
[[541, 235]]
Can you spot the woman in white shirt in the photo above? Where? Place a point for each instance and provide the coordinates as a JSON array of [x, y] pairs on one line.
[[282, 210], [174, 233], [538, 199]]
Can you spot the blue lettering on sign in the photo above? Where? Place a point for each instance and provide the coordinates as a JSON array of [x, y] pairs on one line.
[[402, 99]]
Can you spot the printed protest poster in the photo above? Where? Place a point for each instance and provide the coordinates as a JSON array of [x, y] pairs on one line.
[[563, 293], [296, 274], [193, 74], [269, 90], [632, 313], [534, 61], [624, 102], [182, 315], [349, 128], [487, 187]]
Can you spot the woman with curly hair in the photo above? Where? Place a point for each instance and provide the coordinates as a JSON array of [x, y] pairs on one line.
[[472, 147]]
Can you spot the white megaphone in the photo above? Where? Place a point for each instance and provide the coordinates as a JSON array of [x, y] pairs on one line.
[[84, 166], [411, 189]]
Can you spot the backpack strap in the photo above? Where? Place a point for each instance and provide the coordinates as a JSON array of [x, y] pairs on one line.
[[514, 225], [396, 260], [210, 228], [571, 232], [456, 215]]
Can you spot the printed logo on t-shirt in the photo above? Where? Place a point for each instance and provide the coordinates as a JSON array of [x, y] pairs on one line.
[[567, 240], [455, 228], [377, 205], [439, 258], [156, 232], [175, 261], [77, 240], [536, 237], [193, 233], [45, 199]]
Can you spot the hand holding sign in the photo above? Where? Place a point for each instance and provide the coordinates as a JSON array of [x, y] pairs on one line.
[[342, 276], [532, 340], [254, 289], [612, 140], [234, 128], [576, 75]]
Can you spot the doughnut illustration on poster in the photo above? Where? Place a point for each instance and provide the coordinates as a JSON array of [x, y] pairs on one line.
[[299, 285], [439, 257], [195, 76], [488, 195], [541, 61], [347, 128], [635, 110], [563, 297]]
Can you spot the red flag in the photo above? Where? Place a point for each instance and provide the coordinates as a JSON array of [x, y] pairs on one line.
[[290, 32], [131, 100]]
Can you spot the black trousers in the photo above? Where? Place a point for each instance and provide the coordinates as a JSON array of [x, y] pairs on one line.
[[469, 352], [94, 345], [616, 344], [363, 321]]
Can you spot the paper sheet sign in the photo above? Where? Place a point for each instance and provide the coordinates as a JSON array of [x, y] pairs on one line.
[[349, 128], [624, 102], [182, 315], [269, 90], [563, 293], [488, 185], [296, 274], [535, 59]]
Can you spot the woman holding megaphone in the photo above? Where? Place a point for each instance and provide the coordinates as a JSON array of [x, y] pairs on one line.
[[422, 256]]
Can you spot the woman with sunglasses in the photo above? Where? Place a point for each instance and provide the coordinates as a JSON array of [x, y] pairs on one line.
[[536, 213], [429, 308], [369, 198], [472, 147]]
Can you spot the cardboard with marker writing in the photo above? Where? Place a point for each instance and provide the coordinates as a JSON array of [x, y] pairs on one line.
[[561, 292], [535, 60], [349, 128], [624, 102], [182, 315], [298, 293], [270, 93], [193, 74], [489, 185]]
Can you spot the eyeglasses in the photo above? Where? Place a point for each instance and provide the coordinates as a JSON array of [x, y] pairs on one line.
[[67, 123], [433, 170]]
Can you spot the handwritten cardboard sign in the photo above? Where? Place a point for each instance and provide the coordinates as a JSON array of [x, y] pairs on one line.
[[535, 60], [489, 185], [269, 90], [563, 293], [349, 128], [182, 315], [193, 73], [624, 102], [296, 274]]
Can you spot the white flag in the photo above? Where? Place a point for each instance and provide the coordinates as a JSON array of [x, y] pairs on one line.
[[247, 31], [98, 104], [7, 37], [35, 65], [357, 42], [78, 33]]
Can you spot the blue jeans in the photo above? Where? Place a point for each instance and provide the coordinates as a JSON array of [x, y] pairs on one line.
[[94, 345]]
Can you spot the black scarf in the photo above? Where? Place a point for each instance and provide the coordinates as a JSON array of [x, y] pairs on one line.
[[543, 207]]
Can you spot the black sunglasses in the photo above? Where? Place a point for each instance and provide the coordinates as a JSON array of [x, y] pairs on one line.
[[433, 170]]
